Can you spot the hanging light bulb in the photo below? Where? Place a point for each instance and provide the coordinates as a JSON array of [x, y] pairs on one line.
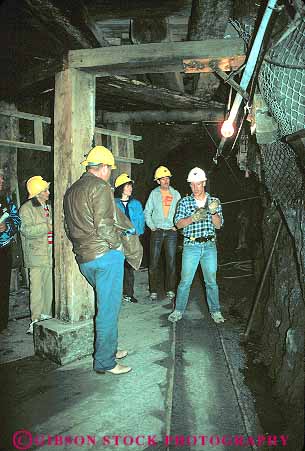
[[227, 129]]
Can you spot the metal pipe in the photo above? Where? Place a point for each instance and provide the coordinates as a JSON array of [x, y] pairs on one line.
[[250, 66], [245, 335]]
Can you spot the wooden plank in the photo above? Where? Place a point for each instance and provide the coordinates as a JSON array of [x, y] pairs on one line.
[[9, 131], [74, 119], [137, 95], [226, 64], [38, 132], [114, 140], [28, 116], [212, 115], [129, 160], [24, 145], [118, 134], [108, 9], [158, 58]]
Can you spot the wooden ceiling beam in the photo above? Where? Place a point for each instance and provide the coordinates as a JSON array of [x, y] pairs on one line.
[[212, 115], [56, 23], [156, 57], [118, 9], [141, 93]]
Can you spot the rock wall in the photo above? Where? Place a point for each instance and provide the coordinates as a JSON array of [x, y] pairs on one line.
[[279, 324]]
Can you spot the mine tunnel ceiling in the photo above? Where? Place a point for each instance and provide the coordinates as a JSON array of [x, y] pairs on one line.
[[37, 34]]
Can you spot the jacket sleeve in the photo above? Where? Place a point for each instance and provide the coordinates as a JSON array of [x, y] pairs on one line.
[[29, 228], [148, 212], [13, 222], [141, 221], [119, 204], [103, 206]]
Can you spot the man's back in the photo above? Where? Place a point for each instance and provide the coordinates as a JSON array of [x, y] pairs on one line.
[[89, 217]]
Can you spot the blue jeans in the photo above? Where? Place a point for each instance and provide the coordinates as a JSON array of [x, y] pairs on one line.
[[206, 255], [105, 274], [157, 239]]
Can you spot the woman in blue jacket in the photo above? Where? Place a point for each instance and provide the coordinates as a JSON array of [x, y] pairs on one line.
[[132, 208]]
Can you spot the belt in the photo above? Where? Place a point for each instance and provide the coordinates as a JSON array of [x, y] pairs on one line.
[[201, 239]]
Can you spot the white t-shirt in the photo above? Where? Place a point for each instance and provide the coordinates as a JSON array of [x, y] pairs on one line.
[[201, 203]]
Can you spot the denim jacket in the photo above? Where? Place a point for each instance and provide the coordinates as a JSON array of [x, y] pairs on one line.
[[12, 222], [134, 212], [153, 212]]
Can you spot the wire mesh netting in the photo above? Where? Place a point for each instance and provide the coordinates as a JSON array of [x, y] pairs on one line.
[[282, 83], [281, 173]]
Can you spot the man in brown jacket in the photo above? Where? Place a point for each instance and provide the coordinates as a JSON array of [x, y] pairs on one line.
[[90, 225], [37, 242]]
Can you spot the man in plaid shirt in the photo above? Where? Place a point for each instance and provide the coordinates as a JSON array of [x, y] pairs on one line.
[[198, 215]]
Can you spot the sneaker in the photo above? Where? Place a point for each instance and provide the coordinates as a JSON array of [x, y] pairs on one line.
[[30, 329], [217, 317], [176, 315], [130, 299], [153, 296], [170, 294], [43, 316]]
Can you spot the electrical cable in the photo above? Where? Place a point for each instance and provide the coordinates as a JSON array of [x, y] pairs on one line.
[[237, 261], [243, 266]]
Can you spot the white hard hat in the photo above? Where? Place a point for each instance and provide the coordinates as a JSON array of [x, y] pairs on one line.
[[196, 175]]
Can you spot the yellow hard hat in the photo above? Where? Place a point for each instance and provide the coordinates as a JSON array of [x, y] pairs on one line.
[[162, 171], [122, 179], [99, 155], [36, 185]]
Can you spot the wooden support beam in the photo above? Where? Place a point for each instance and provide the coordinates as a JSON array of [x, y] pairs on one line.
[[212, 115], [118, 134], [74, 121], [129, 160], [206, 65], [158, 58], [138, 95], [28, 116], [118, 9], [9, 131], [38, 132], [24, 145]]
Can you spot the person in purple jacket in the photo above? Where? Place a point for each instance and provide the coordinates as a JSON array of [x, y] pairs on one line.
[[132, 208]]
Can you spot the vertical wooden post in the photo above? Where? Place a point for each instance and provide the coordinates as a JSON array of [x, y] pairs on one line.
[[38, 131], [9, 129], [74, 122], [121, 148]]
